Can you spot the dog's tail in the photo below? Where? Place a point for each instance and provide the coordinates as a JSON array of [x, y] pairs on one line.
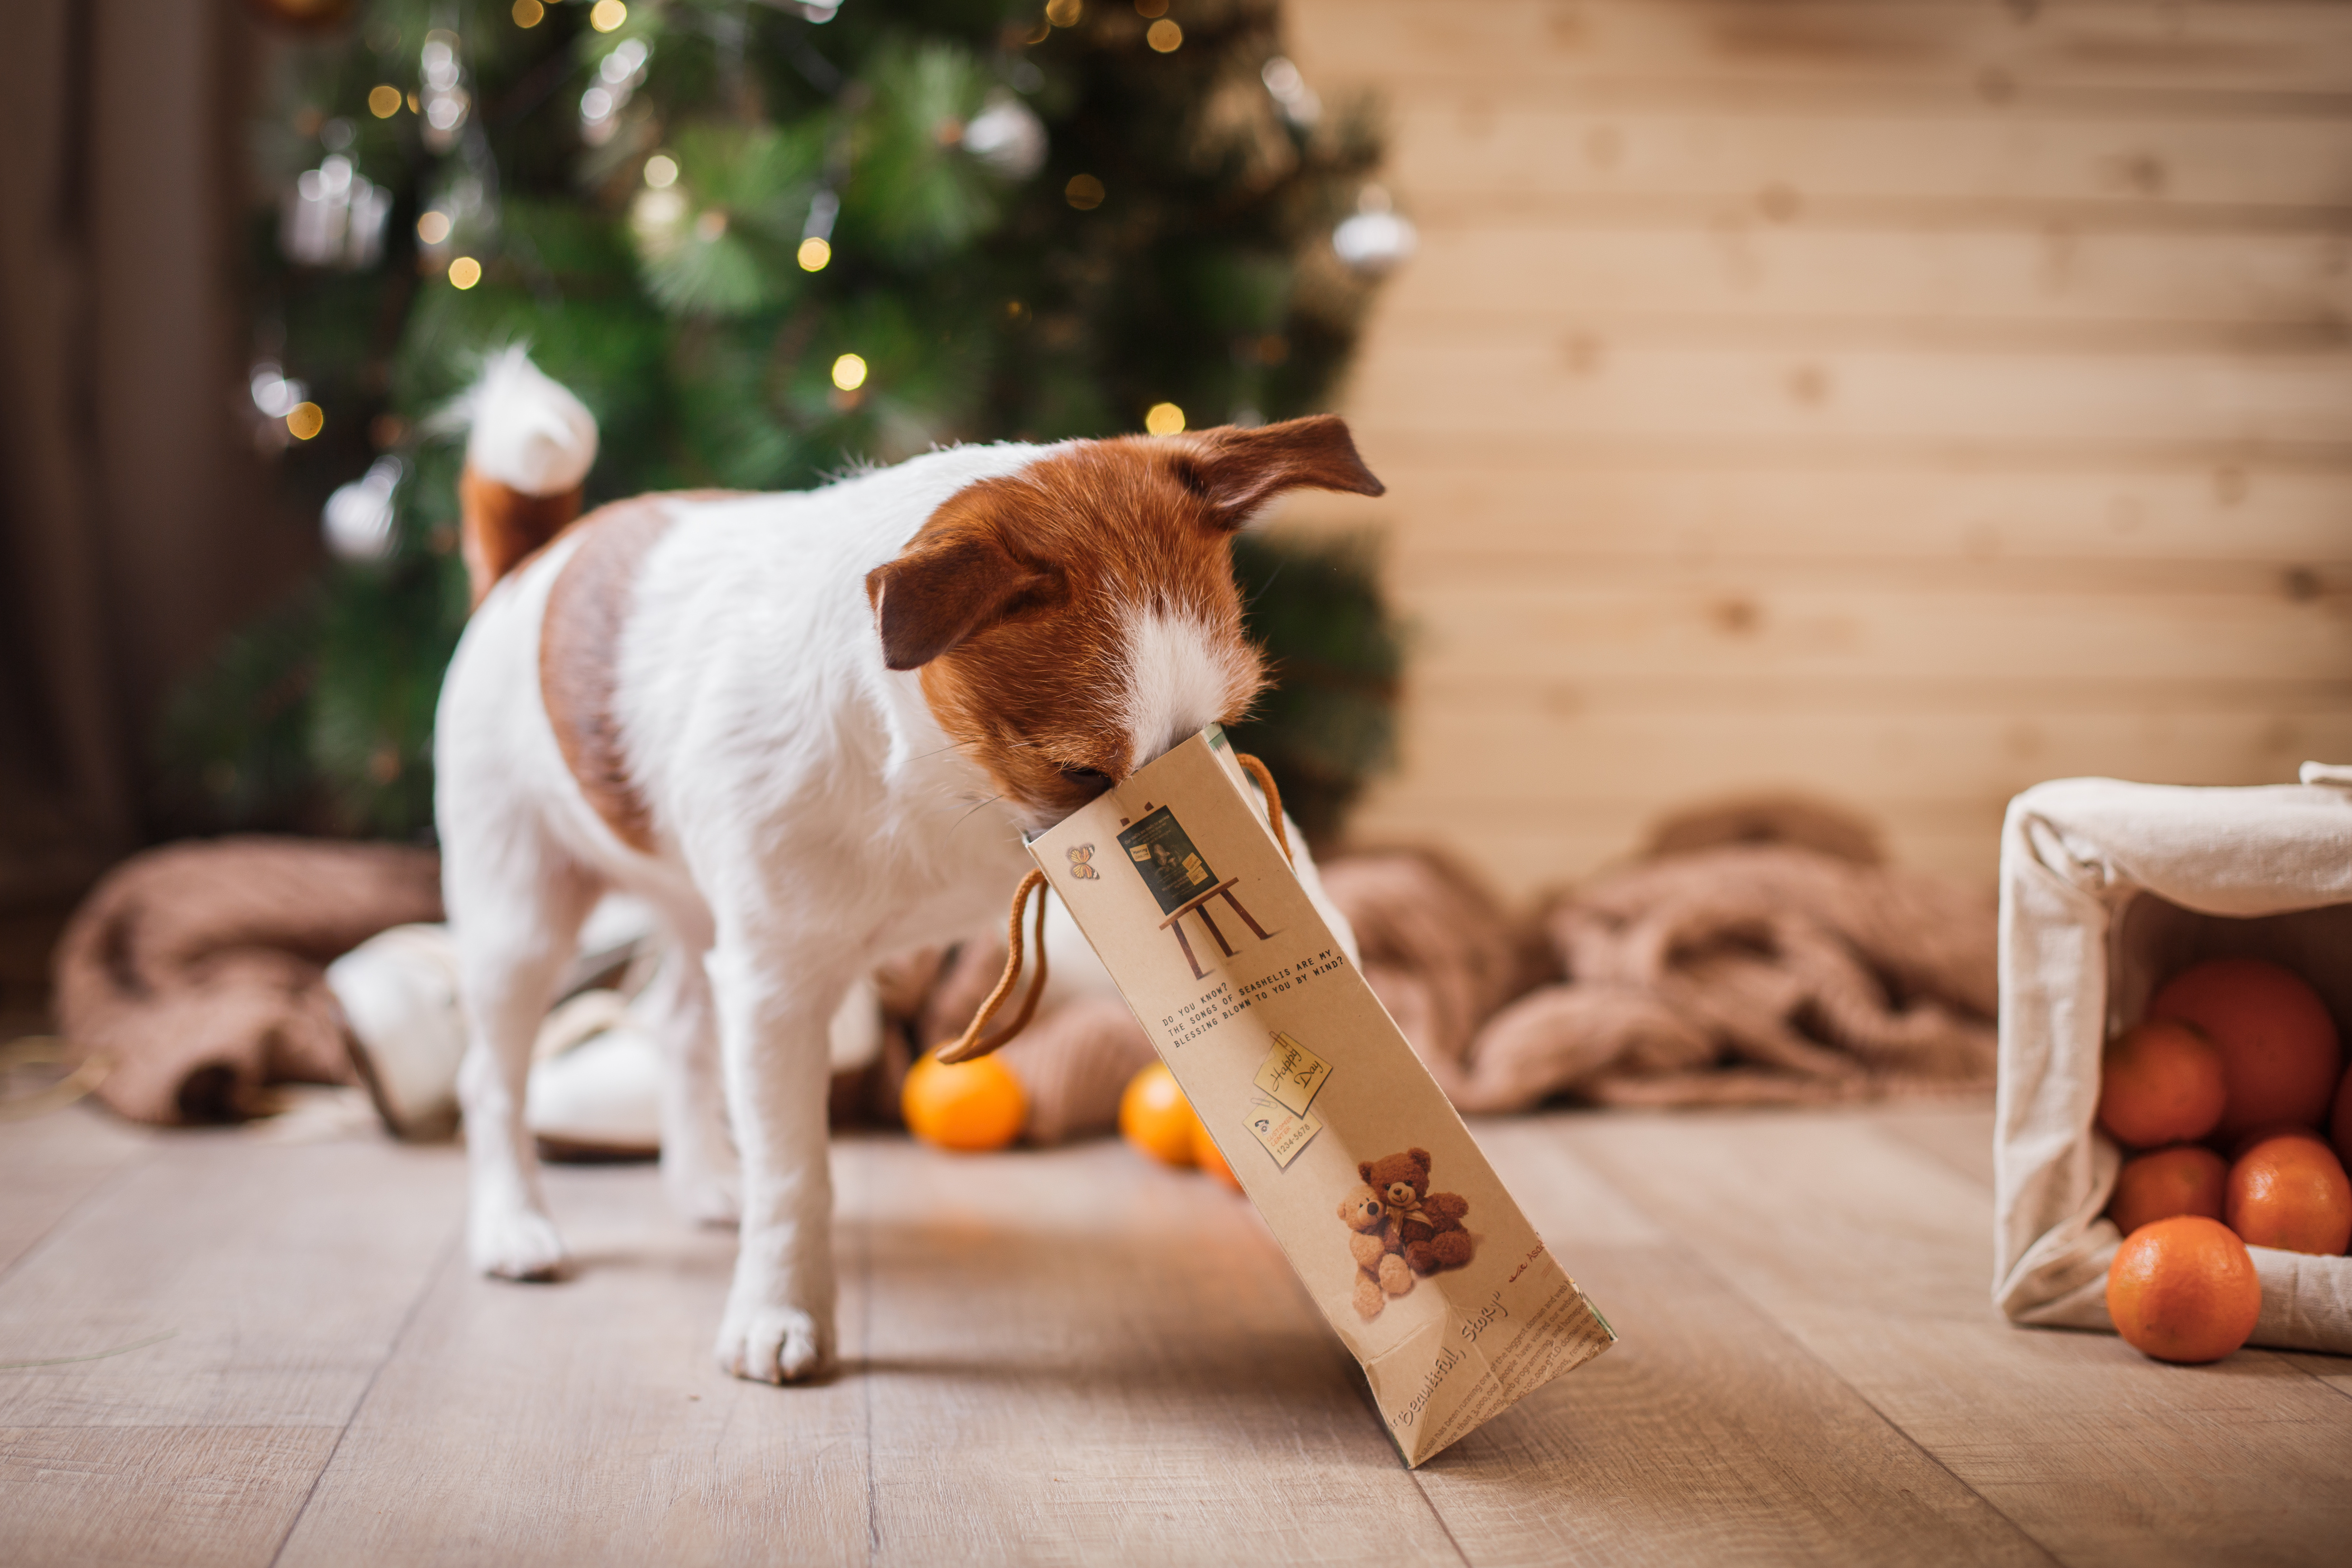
[[527, 460]]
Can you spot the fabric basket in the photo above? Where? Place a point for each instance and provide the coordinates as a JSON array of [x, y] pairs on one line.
[[2106, 889]]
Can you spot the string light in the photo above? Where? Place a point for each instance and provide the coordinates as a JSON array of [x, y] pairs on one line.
[[305, 420], [1164, 419], [849, 372], [661, 170], [1165, 37], [528, 13], [465, 272], [607, 16], [813, 254], [383, 102], [1084, 191]]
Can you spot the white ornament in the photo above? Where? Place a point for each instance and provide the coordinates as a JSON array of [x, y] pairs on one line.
[[333, 217], [1007, 136], [358, 515], [618, 76], [1299, 104], [1376, 238], [444, 101]]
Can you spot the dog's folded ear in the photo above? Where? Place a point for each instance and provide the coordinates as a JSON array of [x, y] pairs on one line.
[[939, 593], [1240, 469]]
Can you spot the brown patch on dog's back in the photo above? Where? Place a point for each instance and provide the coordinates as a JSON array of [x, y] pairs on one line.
[[579, 653]]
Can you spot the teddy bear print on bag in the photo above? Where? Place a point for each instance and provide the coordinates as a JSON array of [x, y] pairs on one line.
[[1381, 1270], [1429, 1224]]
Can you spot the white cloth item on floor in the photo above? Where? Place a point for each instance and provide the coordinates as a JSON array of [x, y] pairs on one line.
[[595, 1079], [398, 992], [2106, 889]]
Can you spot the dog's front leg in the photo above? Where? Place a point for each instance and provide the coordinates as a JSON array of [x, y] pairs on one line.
[[773, 1044]]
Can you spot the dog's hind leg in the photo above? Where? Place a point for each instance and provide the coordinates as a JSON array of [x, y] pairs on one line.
[[697, 1160], [515, 904]]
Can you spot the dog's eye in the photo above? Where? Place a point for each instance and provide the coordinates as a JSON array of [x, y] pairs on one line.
[[1092, 782]]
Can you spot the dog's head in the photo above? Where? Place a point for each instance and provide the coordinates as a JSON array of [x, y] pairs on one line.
[[1074, 620]]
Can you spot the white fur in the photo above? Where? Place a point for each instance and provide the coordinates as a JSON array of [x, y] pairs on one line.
[[528, 431], [815, 821], [1178, 676]]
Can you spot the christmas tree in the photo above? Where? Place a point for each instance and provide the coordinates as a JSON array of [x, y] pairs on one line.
[[764, 242]]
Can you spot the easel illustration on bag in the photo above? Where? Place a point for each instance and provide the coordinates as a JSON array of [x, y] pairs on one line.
[[1163, 855]]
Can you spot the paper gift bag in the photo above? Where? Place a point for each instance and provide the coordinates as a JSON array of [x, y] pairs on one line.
[[1380, 1200]]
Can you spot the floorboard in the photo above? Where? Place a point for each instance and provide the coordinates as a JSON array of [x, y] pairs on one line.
[[1706, 1433], [1874, 1257], [586, 1421], [1073, 1357], [49, 1163]]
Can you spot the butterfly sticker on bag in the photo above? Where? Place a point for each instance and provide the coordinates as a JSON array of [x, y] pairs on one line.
[[1081, 854]]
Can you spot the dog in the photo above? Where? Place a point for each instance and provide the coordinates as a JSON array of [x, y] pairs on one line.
[[809, 729]]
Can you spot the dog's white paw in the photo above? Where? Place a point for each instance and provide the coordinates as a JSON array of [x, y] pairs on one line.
[[516, 1244], [775, 1344]]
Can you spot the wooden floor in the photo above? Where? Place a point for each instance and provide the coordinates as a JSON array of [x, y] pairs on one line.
[[224, 1348]]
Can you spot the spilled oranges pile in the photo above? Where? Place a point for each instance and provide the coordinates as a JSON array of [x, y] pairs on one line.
[[2226, 1085], [1158, 1121]]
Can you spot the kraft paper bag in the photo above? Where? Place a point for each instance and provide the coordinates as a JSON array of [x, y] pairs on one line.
[[1369, 1181]]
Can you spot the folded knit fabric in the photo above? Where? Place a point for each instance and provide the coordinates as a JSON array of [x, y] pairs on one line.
[[198, 968], [1747, 974]]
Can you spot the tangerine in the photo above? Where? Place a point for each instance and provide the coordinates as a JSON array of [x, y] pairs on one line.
[[1155, 1116], [2160, 1082], [2184, 1289], [2185, 1179], [2290, 1192], [968, 1107], [1210, 1158], [2280, 1055]]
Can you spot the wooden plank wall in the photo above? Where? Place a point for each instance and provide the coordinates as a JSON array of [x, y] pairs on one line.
[[1906, 400]]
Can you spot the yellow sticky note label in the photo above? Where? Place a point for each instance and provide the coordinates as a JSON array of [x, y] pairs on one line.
[[1291, 1074], [1283, 1131]]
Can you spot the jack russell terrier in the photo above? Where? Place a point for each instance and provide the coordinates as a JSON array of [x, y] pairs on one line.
[[809, 729]]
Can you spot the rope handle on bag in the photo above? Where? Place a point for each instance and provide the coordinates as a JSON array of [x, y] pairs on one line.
[[974, 1041]]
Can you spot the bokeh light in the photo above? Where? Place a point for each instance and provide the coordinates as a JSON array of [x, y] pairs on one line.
[[305, 420], [813, 254], [465, 272], [1084, 191], [383, 100], [528, 13], [607, 16], [849, 372], [1164, 419], [432, 225], [1164, 36], [661, 170]]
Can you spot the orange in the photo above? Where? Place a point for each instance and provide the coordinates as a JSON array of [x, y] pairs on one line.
[[2290, 1192], [2159, 1082], [2181, 1180], [1154, 1116], [1210, 1158], [969, 1107], [2279, 1051], [2184, 1289]]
